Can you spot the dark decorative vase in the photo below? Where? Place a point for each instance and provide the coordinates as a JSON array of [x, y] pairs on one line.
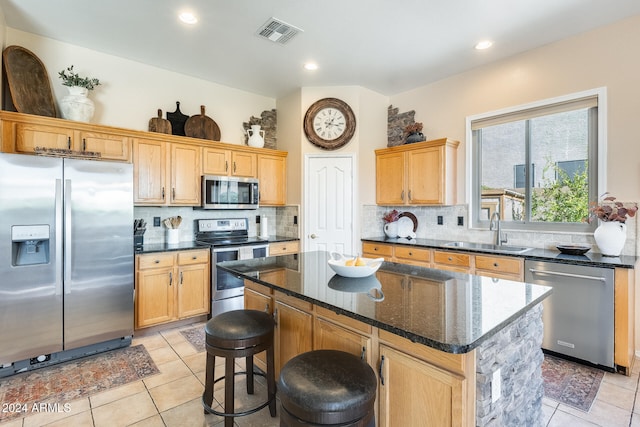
[[415, 137]]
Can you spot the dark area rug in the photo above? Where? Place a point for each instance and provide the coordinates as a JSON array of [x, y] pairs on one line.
[[196, 337], [62, 383], [570, 383]]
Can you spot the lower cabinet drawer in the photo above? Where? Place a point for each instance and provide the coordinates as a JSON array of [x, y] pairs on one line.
[[452, 258], [156, 260]]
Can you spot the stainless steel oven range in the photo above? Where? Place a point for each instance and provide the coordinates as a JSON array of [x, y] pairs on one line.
[[229, 241]]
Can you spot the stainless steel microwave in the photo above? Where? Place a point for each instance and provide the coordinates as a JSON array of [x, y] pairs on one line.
[[227, 192]]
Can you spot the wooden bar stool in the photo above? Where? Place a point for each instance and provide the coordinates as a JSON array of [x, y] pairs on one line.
[[327, 388], [239, 333]]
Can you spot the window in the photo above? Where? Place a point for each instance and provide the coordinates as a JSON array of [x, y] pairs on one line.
[[537, 165]]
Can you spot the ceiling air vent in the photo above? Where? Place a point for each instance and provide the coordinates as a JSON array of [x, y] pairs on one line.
[[277, 31]]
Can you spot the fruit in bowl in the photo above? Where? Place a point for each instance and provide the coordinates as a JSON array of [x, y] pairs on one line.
[[354, 266]]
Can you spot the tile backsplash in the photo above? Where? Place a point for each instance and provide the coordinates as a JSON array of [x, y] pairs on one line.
[[280, 220]]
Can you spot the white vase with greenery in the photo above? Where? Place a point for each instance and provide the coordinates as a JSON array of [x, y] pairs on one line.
[[611, 234], [77, 105]]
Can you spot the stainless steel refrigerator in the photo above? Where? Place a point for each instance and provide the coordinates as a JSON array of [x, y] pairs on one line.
[[66, 259]]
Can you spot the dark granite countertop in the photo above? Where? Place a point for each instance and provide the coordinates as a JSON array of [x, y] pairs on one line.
[[452, 312], [590, 258], [182, 246]]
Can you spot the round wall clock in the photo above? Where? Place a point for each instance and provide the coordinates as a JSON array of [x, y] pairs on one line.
[[329, 123]]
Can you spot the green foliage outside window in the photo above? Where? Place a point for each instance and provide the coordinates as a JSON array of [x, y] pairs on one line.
[[564, 199]]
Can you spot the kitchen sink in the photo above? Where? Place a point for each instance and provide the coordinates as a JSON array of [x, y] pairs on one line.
[[488, 247]]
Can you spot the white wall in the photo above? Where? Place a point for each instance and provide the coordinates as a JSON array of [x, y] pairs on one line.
[[132, 92]]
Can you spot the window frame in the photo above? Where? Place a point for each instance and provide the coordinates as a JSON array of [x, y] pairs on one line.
[[597, 174]]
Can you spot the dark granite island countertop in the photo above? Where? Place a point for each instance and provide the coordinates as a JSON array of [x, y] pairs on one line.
[[451, 312]]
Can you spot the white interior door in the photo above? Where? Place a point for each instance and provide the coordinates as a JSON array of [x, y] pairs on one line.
[[329, 203]]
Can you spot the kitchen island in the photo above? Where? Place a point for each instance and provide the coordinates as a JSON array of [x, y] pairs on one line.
[[455, 349]]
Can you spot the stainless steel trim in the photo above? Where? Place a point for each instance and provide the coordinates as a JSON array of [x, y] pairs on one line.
[[58, 236], [576, 276], [67, 236]]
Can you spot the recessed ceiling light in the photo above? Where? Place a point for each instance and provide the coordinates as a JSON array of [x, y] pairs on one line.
[[310, 66], [188, 18], [485, 44]]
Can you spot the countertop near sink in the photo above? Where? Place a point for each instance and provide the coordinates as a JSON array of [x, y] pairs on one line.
[[184, 246], [590, 258]]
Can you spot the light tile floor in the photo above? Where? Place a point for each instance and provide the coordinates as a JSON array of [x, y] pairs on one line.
[[173, 397]]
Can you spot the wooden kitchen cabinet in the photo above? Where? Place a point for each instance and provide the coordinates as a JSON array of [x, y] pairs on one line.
[[222, 162], [272, 175], [258, 297], [294, 328], [377, 250], [412, 391], [334, 332], [166, 173], [171, 286], [284, 248], [24, 137], [454, 261], [417, 174], [412, 255], [501, 267]]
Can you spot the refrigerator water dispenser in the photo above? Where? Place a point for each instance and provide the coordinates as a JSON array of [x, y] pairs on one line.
[[30, 244]]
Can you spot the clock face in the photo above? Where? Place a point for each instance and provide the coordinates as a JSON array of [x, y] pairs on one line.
[[329, 123]]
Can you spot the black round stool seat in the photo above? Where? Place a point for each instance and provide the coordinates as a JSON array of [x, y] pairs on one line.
[[238, 328], [233, 334], [326, 387]]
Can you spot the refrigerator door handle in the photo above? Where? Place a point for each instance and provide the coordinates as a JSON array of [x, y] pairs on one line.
[[67, 236], [58, 224]]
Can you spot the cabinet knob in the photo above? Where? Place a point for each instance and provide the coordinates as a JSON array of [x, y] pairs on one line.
[[450, 259], [410, 253], [194, 257], [157, 261], [495, 264]]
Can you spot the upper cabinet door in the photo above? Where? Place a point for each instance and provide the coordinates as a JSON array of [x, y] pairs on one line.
[[30, 136], [149, 168], [244, 164], [185, 175], [215, 161], [110, 147], [390, 179], [425, 176], [272, 174]]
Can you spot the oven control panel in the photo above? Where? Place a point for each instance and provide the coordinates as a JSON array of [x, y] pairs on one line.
[[228, 224]]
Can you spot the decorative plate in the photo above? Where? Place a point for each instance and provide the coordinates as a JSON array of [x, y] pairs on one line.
[[412, 217], [574, 249]]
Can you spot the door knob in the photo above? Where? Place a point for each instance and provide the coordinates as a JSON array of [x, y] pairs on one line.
[[313, 236]]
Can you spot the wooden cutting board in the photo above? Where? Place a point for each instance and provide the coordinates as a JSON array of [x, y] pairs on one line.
[[28, 82], [160, 125], [201, 126]]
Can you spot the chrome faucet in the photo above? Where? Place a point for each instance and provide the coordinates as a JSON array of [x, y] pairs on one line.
[[495, 224]]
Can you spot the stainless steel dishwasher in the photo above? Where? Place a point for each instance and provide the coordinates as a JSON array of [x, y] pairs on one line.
[[578, 316]]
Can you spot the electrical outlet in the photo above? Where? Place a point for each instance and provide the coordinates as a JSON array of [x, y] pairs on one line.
[[496, 386], [257, 219], [295, 220], [156, 221], [440, 220], [460, 220]]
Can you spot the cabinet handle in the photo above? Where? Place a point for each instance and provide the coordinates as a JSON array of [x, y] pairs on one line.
[[181, 277], [226, 165], [275, 317], [364, 352], [170, 278], [84, 144], [68, 143], [266, 308], [402, 196], [173, 194], [162, 193], [380, 370], [409, 195], [234, 167]]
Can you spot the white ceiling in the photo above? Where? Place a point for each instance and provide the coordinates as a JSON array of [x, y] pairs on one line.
[[388, 46]]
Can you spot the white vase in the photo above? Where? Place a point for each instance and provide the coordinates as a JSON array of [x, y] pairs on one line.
[[391, 229], [77, 105], [256, 137], [610, 237]]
